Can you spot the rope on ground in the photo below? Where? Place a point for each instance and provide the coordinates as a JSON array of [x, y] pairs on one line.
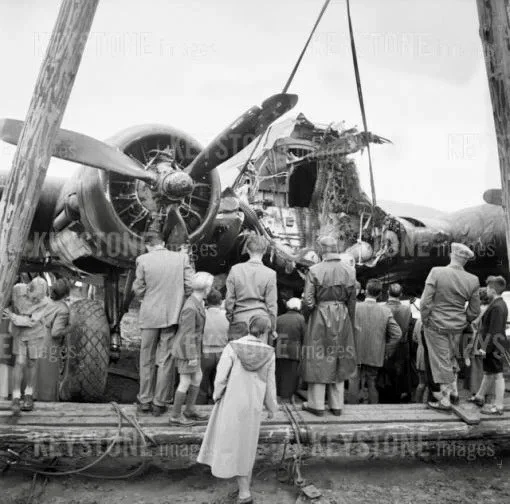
[[15, 461]]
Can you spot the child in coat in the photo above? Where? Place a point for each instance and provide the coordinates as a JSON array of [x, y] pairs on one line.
[[245, 383], [187, 350]]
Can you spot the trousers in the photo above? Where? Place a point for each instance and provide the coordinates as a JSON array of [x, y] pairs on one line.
[[156, 349], [317, 392]]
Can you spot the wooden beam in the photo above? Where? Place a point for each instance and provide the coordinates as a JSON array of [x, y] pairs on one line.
[[494, 16], [51, 94]]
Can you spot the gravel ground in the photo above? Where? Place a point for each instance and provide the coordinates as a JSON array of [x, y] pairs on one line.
[[350, 481]]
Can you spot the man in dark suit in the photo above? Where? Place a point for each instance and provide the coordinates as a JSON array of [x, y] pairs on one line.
[[376, 335], [398, 369], [163, 281]]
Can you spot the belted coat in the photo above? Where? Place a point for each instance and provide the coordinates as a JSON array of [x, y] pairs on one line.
[[329, 296]]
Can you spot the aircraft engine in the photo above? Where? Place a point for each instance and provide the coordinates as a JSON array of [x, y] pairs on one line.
[[116, 210]]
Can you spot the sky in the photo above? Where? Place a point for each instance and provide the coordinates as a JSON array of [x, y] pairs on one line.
[[198, 64]]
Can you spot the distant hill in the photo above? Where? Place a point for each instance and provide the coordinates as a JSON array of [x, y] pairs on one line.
[[400, 209]]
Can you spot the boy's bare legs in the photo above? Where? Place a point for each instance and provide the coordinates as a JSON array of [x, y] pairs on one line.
[[17, 376], [500, 391], [28, 402]]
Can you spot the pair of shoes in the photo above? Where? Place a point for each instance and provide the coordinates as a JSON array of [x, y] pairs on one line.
[[28, 403], [195, 415], [313, 411], [16, 406], [246, 500], [158, 410], [143, 407], [336, 412], [181, 420], [475, 400], [455, 399], [491, 410], [438, 405]]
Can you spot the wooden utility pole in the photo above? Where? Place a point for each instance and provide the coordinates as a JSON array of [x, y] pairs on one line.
[[494, 16], [44, 116]]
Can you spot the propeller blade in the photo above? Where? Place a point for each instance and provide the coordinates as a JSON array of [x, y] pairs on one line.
[[274, 107], [175, 232], [82, 149], [240, 134]]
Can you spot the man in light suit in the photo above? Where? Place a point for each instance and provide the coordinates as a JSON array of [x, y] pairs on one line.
[[444, 315], [377, 335], [163, 280], [251, 290]]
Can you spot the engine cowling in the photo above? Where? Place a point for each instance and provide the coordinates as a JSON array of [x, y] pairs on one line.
[[115, 210]]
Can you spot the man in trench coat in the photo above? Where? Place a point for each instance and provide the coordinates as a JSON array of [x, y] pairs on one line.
[[163, 280], [328, 351]]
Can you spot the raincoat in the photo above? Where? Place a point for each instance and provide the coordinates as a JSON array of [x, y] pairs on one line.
[[245, 382]]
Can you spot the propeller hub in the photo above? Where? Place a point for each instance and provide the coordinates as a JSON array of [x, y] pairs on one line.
[[176, 185]]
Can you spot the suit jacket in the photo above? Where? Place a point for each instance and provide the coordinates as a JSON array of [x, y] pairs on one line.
[[401, 313], [163, 280], [376, 333], [188, 340], [251, 290], [447, 290]]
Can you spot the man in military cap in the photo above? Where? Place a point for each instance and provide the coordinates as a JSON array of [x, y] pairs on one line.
[[444, 316], [328, 351]]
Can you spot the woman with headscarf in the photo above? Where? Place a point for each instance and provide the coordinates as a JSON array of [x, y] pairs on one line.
[[291, 328], [245, 382], [56, 319], [28, 336]]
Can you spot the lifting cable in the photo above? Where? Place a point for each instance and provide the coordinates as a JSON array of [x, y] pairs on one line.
[[361, 103], [285, 89]]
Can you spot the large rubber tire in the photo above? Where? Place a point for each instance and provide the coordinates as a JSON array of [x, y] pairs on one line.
[[85, 365]]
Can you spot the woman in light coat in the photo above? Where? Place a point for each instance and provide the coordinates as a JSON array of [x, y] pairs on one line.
[[245, 382]]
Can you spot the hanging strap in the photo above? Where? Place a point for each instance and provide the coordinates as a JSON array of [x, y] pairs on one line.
[[361, 102], [285, 88]]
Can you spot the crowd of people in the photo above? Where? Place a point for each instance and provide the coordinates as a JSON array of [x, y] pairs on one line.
[[241, 355]]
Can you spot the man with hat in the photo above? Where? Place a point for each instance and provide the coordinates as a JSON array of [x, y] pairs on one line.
[[328, 352], [445, 316]]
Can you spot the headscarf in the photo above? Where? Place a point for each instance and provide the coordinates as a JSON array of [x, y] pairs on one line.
[[38, 289], [294, 304]]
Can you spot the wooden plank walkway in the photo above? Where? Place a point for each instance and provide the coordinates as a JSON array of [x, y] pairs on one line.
[[74, 425]]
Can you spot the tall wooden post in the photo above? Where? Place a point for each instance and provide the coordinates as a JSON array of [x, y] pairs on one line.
[[494, 16], [44, 116]]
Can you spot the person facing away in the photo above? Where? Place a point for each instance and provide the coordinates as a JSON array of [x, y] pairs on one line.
[[493, 347], [329, 357], [251, 290], [187, 350], [291, 328], [215, 340], [163, 281], [472, 357], [245, 383], [444, 316], [57, 322], [401, 313], [29, 329], [397, 369], [377, 335]]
